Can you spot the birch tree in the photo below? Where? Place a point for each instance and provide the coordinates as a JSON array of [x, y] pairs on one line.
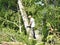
[[23, 14]]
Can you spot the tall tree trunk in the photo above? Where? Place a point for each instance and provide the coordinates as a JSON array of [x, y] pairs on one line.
[[23, 14]]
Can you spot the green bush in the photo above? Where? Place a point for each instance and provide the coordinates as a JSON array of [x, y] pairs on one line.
[[7, 35]]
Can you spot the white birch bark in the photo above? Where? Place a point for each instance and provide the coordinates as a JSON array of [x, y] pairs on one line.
[[23, 14]]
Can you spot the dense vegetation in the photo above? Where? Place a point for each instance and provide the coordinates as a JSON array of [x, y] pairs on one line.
[[45, 12]]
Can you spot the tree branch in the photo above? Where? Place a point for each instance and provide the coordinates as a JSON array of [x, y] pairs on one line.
[[9, 21]]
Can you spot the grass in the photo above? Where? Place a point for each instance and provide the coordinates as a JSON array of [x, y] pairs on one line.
[[10, 35], [13, 43]]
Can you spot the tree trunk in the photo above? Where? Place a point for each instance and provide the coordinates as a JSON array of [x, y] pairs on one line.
[[20, 26], [23, 14]]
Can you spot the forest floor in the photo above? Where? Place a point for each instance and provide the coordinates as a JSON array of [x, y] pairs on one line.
[[6, 37], [13, 43]]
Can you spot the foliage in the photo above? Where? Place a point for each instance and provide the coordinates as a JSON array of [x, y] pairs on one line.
[[45, 16], [41, 43]]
